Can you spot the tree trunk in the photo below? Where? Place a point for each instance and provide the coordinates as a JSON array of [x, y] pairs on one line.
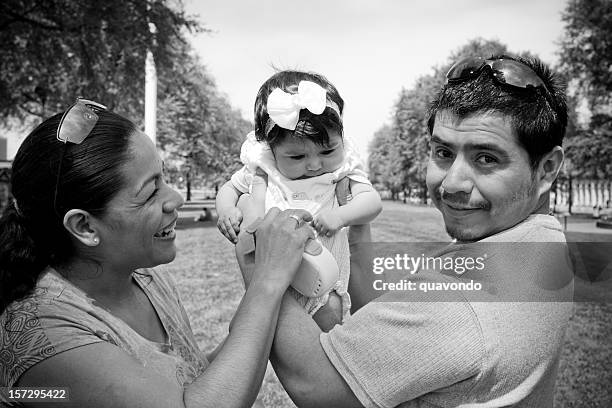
[[570, 200], [188, 182], [406, 193]]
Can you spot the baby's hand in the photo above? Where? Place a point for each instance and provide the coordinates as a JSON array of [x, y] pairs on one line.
[[327, 223], [229, 223]]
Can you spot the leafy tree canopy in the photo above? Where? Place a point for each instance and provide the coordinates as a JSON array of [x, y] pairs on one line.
[[586, 58], [56, 50], [198, 130], [586, 50]]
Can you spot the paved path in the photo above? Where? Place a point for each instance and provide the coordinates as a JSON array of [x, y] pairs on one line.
[[583, 225]]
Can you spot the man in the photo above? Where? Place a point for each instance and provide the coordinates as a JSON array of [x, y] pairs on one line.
[[496, 131]]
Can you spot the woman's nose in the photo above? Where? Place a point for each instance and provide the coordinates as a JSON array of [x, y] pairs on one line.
[[174, 201]]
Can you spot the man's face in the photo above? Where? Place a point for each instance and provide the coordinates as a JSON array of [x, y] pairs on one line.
[[479, 176]]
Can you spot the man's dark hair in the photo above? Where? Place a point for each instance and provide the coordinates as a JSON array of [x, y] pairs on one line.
[[539, 118]]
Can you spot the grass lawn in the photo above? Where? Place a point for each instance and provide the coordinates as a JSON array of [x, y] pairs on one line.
[[208, 279]]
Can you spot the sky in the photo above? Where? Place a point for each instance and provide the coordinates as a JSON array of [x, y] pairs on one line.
[[368, 49]]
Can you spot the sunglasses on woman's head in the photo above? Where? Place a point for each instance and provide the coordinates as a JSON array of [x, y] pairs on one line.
[[78, 121], [76, 124], [505, 71]]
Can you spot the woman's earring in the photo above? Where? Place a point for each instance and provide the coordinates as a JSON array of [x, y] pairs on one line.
[[96, 240]]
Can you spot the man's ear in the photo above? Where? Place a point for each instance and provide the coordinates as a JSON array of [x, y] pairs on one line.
[[79, 225], [548, 169]]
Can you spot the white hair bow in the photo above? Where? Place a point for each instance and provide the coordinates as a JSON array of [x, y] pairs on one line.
[[284, 108]]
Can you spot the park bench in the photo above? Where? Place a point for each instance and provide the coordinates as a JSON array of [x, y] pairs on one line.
[[203, 209]]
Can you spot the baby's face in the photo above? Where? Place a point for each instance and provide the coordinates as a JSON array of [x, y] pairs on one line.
[[299, 158]]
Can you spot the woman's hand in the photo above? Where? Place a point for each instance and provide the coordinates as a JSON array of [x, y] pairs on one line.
[[280, 241]]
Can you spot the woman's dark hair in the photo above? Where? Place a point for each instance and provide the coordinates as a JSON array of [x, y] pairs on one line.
[[309, 125], [32, 234], [538, 119]]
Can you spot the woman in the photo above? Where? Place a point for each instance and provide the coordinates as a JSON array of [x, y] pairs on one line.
[[80, 305]]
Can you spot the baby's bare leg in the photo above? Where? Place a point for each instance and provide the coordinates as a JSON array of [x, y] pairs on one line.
[[253, 205], [330, 314], [258, 192]]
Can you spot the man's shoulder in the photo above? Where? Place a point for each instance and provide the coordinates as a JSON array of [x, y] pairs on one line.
[[535, 228]]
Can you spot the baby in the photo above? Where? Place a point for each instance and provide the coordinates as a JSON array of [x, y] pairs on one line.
[[299, 145]]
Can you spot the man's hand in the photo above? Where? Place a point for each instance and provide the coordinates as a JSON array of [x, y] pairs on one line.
[[229, 222], [328, 222]]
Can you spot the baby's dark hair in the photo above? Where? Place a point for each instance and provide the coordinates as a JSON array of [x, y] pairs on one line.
[[310, 126], [538, 119]]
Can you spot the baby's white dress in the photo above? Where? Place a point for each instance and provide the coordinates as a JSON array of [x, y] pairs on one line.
[[313, 194]]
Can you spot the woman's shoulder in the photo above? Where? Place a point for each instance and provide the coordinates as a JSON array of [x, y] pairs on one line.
[[157, 279], [55, 317], [51, 291], [162, 289]]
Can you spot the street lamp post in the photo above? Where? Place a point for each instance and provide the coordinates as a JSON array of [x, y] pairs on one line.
[[150, 97], [150, 118]]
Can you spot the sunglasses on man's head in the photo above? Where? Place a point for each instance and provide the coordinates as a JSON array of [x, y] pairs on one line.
[[78, 121], [505, 71]]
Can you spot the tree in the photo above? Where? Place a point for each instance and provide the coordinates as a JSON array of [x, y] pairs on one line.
[[198, 130], [586, 58], [586, 50], [476, 47], [384, 171], [410, 122], [590, 149], [56, 50]]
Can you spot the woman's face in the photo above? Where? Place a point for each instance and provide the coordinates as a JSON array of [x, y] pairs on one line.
[[138, 228]]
